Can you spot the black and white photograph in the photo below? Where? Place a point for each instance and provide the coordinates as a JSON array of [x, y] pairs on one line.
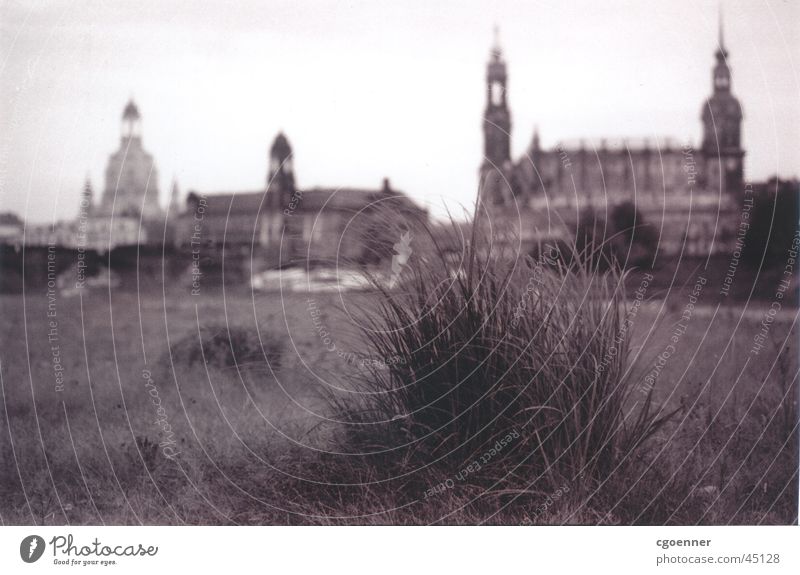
[[283, 263]]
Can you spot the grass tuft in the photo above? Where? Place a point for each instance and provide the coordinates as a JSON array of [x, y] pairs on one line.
[[482, 356]]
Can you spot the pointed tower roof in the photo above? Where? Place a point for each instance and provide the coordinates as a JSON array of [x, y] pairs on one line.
[[722, 53], [280, 147], [496, 70], [497, 50]]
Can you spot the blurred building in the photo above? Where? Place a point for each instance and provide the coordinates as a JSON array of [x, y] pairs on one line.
[[60, 234], [11, 227], [131, 177], [128, 212], [287, 224], [688, 194]]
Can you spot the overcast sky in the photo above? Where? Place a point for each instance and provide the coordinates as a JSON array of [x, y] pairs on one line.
[[366, 90]]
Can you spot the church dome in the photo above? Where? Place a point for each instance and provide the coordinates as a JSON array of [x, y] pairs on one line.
[[131, 112], [281, 149]]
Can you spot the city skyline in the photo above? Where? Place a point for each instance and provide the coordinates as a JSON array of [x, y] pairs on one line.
[[368, 262], [210, 111]]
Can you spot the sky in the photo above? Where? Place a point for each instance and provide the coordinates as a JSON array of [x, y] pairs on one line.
[[367, 90]]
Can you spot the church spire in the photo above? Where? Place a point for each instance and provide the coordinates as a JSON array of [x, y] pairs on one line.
[[497, 118], [722, 127], [280, 176], [494, 172], [722, 74], [280, 156], [497, 51], [722, 53]]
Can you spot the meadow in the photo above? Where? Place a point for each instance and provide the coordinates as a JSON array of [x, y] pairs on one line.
[[113, 413]]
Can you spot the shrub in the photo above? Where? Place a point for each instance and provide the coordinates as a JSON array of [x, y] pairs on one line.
[[227, 346], [773, 223], [485, 346]]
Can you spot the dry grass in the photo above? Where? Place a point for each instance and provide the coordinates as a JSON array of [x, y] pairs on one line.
[[517, 366], [259, 443]]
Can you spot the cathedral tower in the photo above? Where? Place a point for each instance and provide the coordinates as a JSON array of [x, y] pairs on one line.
[[280, 201], [722, 125], [495, 169], [280, 177]]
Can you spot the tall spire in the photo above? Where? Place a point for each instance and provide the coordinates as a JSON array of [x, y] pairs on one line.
[[497, 52], [496, 129], [722, 125], [721, 51], [722, 73], [281, 153]]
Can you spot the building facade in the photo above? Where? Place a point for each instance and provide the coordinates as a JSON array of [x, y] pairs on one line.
[[688, 194], [131, 177], [287, 225], [128, 212]]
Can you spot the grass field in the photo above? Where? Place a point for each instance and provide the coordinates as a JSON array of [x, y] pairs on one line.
[[90, 390]]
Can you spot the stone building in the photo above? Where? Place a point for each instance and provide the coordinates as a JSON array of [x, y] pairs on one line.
[[128, 212], [285, 224], [688, 194], [131, 177]]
